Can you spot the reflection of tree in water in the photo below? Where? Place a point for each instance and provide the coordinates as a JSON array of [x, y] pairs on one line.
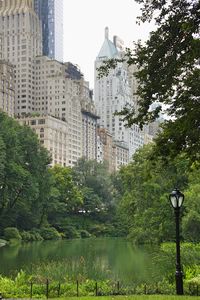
[[98, 259]]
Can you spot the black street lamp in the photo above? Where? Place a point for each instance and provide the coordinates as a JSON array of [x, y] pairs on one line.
[[176, 198]]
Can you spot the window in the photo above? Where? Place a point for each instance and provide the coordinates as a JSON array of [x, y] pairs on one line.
[[41, 121]]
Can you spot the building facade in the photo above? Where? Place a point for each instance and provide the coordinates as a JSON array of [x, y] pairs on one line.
[[89, 132], [58, 95], [52, 134], [21, 33], [120, 155], [1, 47], [7, 88], [112, 93], [50, 13], [106, 151]]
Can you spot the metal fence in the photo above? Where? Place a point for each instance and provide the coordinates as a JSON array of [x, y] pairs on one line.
[[116, 288], [76, 289]]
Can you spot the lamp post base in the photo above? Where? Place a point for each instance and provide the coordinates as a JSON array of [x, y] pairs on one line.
[[179, 282]]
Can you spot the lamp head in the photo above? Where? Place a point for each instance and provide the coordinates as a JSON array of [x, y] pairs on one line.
[[176, 198]]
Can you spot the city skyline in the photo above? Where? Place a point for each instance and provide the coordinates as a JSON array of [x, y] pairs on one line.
[[84, 29], [53, 97]]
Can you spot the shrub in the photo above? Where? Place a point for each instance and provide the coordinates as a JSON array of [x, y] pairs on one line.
[[2, 243], [12, 233], [84, 234], [98, 229], [71, 233], [191, 226], [26, 236], [50, 233], [36, 236], [30, 236]]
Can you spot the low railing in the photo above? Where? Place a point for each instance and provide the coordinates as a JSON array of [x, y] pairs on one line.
[[78, 288]]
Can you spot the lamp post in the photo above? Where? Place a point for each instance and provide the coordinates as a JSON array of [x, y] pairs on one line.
[[176, 199]]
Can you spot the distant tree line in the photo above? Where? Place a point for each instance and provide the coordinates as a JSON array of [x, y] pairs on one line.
[[38, 202], [51, 202]]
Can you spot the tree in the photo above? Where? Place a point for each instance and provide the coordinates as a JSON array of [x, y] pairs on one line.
[[66, 197], [23, 162], [191, 219], [168, 74], [96, 184], [144, 203]]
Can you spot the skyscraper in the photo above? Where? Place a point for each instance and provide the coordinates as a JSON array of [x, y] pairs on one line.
[[112, 93], [21, 32], [50, 13]]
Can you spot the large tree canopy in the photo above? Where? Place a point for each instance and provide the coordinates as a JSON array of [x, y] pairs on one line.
[[168, 74], [23, 175]]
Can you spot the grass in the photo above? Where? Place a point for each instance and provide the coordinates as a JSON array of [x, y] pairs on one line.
[[142, 297]]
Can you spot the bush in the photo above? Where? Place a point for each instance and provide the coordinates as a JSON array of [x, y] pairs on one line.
[[30, 236], [12, 233], [191, 226], [2, 243], [98, 229], [84, 234], [36, 236], [71, 233], [26, 236], [50, 233]]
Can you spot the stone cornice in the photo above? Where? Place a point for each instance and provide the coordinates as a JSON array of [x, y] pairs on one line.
[[12, 7]]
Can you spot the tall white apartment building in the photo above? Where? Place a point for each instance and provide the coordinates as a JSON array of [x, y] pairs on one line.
[[59, 96], [112, 93], [22, 41]]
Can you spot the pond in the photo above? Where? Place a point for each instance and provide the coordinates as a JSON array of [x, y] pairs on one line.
[[96, 258]]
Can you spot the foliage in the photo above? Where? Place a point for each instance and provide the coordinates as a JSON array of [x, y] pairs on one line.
[[96, 186], [71, 233], [168, 75], [20, 288], [190, 253], [34, 197], [12, 233], [85, 234], [146, 186], [30, 236], [191, 220], [49, 233], [2, 242], [97, 213], [56, 272], [23, 169], [68, 194]]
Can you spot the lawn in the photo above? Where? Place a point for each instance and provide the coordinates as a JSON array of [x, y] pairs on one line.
[[142, 297]]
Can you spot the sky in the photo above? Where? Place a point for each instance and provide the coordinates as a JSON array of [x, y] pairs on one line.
[[84, 26]]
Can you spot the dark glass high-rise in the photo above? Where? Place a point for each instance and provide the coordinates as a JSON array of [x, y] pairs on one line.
[[50, 13]]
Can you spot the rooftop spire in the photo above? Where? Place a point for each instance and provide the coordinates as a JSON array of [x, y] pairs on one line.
[[106, 33], [108, 49]]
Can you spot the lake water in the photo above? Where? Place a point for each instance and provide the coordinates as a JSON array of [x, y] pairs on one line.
[[98, 258]]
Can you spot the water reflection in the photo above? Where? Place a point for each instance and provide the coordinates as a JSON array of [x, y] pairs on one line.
[[100, 258]]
